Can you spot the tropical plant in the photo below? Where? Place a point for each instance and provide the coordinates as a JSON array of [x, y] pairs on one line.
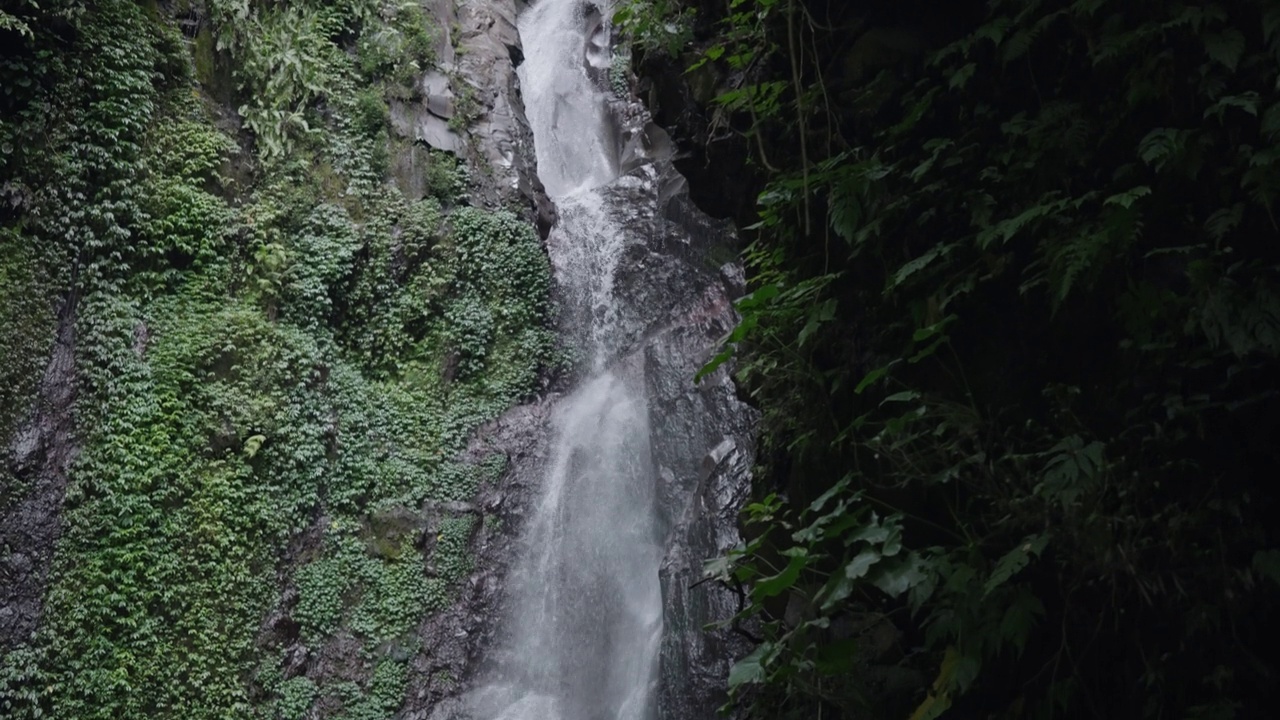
[[1013, 328]]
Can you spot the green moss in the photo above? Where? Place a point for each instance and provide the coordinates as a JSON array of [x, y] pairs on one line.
[[203, 58], [390, 530]]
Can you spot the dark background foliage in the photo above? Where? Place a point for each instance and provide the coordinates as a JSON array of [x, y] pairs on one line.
[[1013, 329]]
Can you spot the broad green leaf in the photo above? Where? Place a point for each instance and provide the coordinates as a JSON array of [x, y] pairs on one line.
[[924, 333], [922, 589], [1018, 45], [994, 30], [893, 542], [1005, 230], [758, 297], [818, 315], [861, 564], [750, 669], [839, 586], [956, 673], [871, 377], [252, 444], [776, 584], [961, 77], [1271, 123], [720, 568], [1247, 102], [846, 209], [1223, 221], [713, 364], [927, 350], [831, 492], [1127, 198], [914, 115], [712, 53], [901, 575], [1267, 564], [1162, 145], [873, 533], [931, 707], [1019, 618], [1225, 48], [914, 266], [1014, 561]]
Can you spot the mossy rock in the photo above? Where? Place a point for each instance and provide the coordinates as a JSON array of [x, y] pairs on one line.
[[388, 529], [212, 73]]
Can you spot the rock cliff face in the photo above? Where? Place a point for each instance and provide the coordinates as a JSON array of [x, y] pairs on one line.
[[39, 457], [702, 439], [675, 305], [470, 106]]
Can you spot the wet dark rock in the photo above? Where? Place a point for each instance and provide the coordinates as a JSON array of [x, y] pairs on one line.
[[451, 639], [676, 306], [500, 134], [414, 121], [721, 182], [38, 456], [296, 659], [703, 442], [341, 659], [441, 105]]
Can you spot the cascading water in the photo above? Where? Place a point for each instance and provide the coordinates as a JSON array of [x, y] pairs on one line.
[[581, 638]]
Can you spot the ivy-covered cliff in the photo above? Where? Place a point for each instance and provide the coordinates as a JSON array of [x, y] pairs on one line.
[[264, 267], [1014, 330]]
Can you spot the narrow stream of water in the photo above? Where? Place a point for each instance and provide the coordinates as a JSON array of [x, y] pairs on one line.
[[582, 636]]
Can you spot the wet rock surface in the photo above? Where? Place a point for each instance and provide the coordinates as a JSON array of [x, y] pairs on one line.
[[703, 438], [470, 106], [38, 457], [703, 446], [721, 181], [452, 639], [677, 305]]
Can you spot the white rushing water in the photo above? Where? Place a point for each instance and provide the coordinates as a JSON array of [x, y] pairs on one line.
[[582, 636]]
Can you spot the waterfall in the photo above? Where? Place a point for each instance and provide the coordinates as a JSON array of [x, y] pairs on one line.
[[581, 636]]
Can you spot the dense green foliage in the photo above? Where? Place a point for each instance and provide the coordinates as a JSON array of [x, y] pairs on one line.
[[279, 357], [1014, 331]]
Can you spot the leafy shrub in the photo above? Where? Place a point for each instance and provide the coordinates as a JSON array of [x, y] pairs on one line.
[[446, 177], [26, 330], [243, 368], [321, 586], [1012, 328], [296, 698], [324, 253], [371, 115]]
